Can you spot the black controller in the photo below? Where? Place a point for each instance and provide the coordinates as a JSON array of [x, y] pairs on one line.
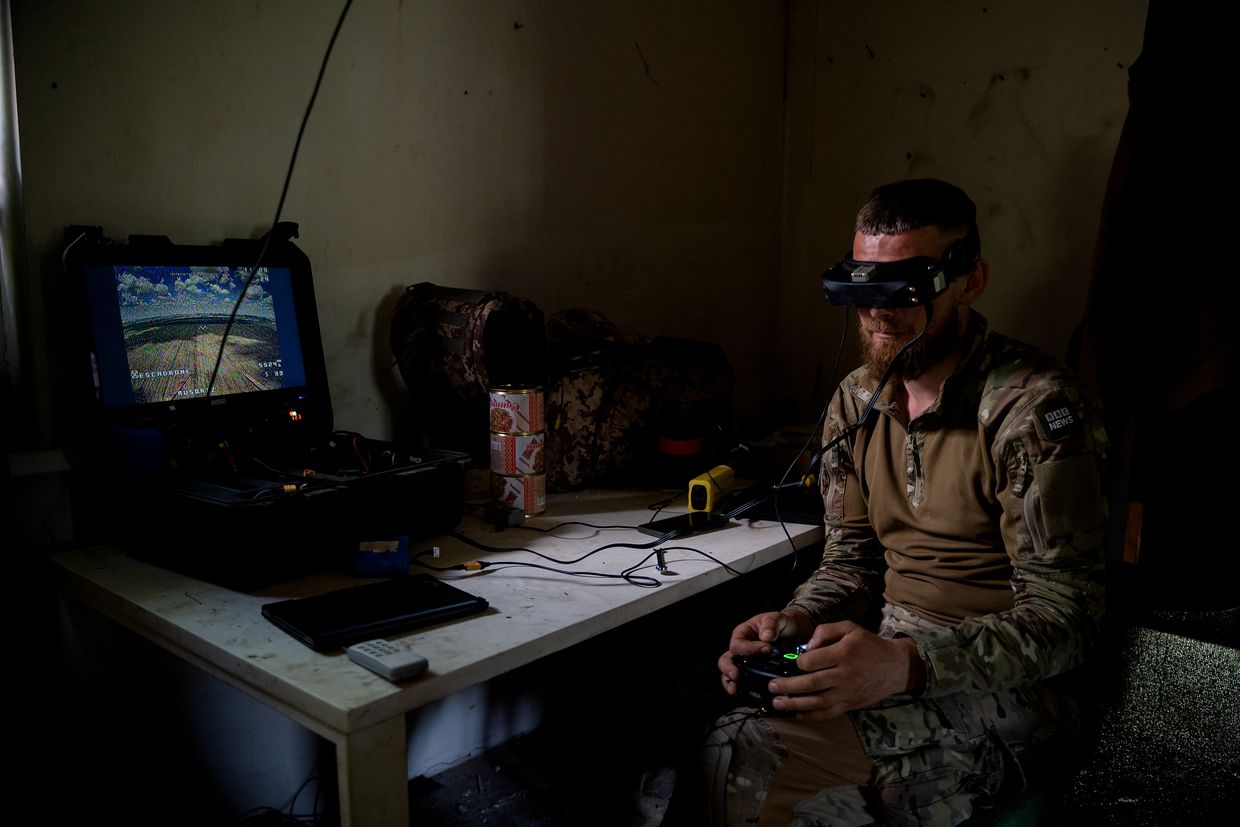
[[756, 671]]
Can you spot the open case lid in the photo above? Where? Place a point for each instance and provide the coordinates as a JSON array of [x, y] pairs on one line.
[[155, 313]]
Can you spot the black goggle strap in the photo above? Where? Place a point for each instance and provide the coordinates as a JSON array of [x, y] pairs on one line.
[[869, 406]]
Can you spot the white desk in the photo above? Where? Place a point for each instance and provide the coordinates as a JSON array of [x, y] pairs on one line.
[[533, 613]]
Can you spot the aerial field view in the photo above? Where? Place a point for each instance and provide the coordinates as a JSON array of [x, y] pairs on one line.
[[173, 320]]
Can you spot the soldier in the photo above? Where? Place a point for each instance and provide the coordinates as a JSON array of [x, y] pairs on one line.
[[960, 585]]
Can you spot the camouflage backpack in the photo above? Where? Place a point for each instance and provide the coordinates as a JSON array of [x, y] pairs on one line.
[[612, 397], [451, 346]]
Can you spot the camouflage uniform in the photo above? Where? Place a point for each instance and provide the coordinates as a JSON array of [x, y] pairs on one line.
[[988, 554]]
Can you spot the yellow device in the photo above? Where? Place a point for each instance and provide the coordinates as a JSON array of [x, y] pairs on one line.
[[707, 491]]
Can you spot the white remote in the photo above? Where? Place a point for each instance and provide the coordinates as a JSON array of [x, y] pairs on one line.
[[394, 661]]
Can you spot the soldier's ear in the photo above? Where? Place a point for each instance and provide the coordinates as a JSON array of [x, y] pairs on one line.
[[975, 281]]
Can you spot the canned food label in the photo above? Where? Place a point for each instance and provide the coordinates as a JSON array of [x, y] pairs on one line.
[[517, 453], [524, 492], [516, 411]]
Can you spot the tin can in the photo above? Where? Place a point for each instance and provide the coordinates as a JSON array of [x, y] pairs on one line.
[[517, 453], [524, 492], [516, 410]]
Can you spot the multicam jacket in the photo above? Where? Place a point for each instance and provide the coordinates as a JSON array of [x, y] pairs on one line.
[[984, 515]]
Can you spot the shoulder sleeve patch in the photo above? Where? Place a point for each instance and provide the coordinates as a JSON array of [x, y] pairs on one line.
[[1056, 420], [1071, 495]]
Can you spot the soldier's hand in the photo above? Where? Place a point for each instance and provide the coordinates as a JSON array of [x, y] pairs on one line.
[[755, 636], [849, 668]]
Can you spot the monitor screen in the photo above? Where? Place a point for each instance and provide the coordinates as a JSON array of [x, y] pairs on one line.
[[152, 319], [157, 332]]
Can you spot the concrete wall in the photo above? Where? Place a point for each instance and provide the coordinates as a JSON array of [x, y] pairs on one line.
[[1020, 104], [625, 157], [620, 156]]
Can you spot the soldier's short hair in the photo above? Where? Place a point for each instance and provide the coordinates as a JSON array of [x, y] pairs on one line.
[[920, 202]]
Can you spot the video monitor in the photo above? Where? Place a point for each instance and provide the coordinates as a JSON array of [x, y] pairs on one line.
[[159, 328], [157, 318]]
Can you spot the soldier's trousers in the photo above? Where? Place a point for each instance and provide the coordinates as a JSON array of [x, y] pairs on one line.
[[907, 761]]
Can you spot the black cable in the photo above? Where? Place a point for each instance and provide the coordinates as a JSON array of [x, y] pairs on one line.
[[814, 432], [292, 805], [742, 716], [822, 416], [656, 507], [640, 580], [288, 177], [671, 535], [292, 475], [745, 716], [816, 459], [558, 526], [709, 557], [869, 406], [627, 574]]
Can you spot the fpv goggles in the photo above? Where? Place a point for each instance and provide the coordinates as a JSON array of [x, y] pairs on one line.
[[909, 282]]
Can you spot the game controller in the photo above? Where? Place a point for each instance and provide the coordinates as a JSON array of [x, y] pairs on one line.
[[756, 671]]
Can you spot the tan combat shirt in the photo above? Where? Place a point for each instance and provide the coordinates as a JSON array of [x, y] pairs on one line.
[[984, 515]]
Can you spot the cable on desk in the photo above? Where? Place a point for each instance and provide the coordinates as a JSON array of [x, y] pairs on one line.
[[671, 535], [558, 526], [639, 580], [714, 560], [656, 507]]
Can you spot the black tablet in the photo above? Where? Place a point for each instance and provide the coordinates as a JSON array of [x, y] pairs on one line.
[[339, 618]]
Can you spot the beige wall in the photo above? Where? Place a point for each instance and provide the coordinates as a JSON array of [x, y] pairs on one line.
[[620, 156], [1019, 103]]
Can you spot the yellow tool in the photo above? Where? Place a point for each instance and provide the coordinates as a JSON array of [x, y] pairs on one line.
[[707, 491]]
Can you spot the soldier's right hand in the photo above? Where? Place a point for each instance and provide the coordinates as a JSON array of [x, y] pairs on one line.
[[755, 636]]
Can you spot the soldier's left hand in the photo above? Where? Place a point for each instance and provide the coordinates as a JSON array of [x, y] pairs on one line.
[[849, 667]]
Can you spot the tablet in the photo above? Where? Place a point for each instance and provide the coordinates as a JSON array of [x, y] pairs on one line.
[[339, 618]]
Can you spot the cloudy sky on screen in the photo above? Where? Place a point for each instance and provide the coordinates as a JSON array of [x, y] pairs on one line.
[[152, 292]]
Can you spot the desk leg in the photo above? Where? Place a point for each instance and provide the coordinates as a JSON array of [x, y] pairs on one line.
[[372, 770]]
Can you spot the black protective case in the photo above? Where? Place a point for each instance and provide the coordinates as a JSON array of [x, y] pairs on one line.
[[244, 489]]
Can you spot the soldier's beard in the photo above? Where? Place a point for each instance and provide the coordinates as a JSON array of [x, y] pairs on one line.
[[936, 345]]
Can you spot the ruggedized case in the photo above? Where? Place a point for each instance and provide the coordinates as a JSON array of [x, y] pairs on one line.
[[211, 438]]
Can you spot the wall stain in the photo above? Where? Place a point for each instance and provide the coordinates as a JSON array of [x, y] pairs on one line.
[[917, 161], [361, 330], [645, 64], [980, 114]]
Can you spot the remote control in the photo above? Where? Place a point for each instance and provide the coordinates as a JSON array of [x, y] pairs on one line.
[[394, 661], [756, 671]]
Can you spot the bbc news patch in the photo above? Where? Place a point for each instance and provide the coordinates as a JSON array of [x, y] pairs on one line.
[[1056, 420]]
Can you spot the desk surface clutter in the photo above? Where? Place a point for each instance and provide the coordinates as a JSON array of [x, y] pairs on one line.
[[533, 613]]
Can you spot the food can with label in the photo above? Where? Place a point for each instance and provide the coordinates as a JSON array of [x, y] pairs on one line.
[[517, 453], [516, 410], [521, 492]]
